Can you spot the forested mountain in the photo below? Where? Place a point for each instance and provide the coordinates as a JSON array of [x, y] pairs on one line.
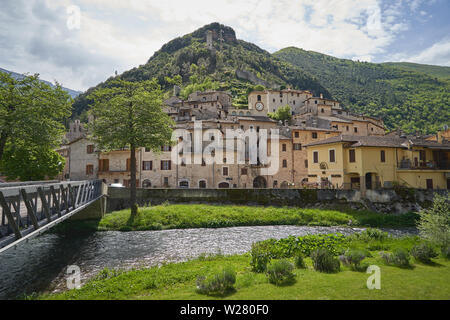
[[231, 64], [408, 96], [432, 71], [404, 98], [16, 75]]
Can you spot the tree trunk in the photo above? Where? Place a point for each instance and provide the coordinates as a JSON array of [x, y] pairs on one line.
[[133, 180]]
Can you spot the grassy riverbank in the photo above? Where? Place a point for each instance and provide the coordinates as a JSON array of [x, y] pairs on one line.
[[181, 216], [178, 281]]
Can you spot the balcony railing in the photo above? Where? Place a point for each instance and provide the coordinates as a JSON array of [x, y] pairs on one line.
[[424, 165]]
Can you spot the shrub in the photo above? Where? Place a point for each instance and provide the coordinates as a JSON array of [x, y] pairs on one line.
[[280, 272], [353, 258], [260, 256], [423, 252], [220, 284], [399, 257], [434, 223], [372, 234], [324, 261], [299, 262], [446, 252]]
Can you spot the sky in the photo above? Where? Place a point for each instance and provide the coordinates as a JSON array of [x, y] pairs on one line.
[[80, 43]]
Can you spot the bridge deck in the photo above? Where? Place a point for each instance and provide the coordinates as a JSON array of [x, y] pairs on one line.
[[29, 209]]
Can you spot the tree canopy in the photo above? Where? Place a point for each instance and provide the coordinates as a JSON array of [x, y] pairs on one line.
[[31, 127], [129, 114]]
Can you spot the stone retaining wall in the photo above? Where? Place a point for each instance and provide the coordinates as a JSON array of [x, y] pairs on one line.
[[377, 200]]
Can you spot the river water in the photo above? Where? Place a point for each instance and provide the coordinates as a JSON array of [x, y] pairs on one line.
[[41, 264]]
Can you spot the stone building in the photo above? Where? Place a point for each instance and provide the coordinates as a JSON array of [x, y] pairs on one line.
[[314, 119]]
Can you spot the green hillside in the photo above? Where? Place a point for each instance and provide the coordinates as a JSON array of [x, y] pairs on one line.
[[432, 71], [405, 99], [187, 62]]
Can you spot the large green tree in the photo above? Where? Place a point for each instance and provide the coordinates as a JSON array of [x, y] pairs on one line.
[[129, 114], [31, 126]]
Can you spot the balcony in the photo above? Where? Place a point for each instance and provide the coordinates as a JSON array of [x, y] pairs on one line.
[[407, 164]]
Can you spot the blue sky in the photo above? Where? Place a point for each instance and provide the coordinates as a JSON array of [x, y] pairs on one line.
[[118, 35]]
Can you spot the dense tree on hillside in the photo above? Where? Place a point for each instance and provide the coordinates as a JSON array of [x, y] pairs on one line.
[[129, 114], [31, 127], [188, 59], [408, 100], [283, 113]]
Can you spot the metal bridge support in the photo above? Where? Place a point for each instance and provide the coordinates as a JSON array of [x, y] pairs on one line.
[[27, 209]]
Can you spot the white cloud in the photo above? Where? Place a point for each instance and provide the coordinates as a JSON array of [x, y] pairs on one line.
[[437, 54], [119, 35]]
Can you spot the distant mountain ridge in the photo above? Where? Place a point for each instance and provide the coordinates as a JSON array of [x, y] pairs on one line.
[[73, 93], [408, 97], [431, 70], [411, 97]]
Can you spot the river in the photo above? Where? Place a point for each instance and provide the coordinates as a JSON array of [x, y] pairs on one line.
[[41, 264]]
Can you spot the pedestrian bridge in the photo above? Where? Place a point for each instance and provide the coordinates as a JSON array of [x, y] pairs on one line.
[[30, 208]]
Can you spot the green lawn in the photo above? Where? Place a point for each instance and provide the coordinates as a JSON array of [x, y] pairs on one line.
[[177, 281], [180, 216]]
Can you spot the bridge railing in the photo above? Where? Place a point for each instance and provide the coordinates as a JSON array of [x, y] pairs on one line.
[[27, 208]]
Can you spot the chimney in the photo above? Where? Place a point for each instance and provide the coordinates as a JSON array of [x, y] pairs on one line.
[[321, 96], [439, 137], [176, 90]]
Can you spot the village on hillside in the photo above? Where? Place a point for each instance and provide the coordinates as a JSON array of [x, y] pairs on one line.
[[322, 145]]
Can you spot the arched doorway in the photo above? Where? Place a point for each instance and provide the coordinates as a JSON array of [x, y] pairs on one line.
[[259, 182], [184, 184], [284, 185], [202, 184], [146, 184], [224, 185]]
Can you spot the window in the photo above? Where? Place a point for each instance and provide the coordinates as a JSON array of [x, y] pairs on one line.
[[332, 155], [147, 165], [314, 135], [225, 171], [383, 156], [275, 183], [355, 129], [284, 147], [203, 162], [243, 171], [322, 110], [306, 164], [184, 184], [147, 149], [89, 169], [284, 163], [429, 183], [166, 181], [347, 128], [296, 134], [224, 160], [351, 155], [183, 162], [297, 146], [316, 157], [166, 148], [166, 165], [90, 148], [259, 97], [116, 180], [103, 165], [202, 184]]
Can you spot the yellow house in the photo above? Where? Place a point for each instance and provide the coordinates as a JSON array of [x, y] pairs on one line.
[[370, 162]]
